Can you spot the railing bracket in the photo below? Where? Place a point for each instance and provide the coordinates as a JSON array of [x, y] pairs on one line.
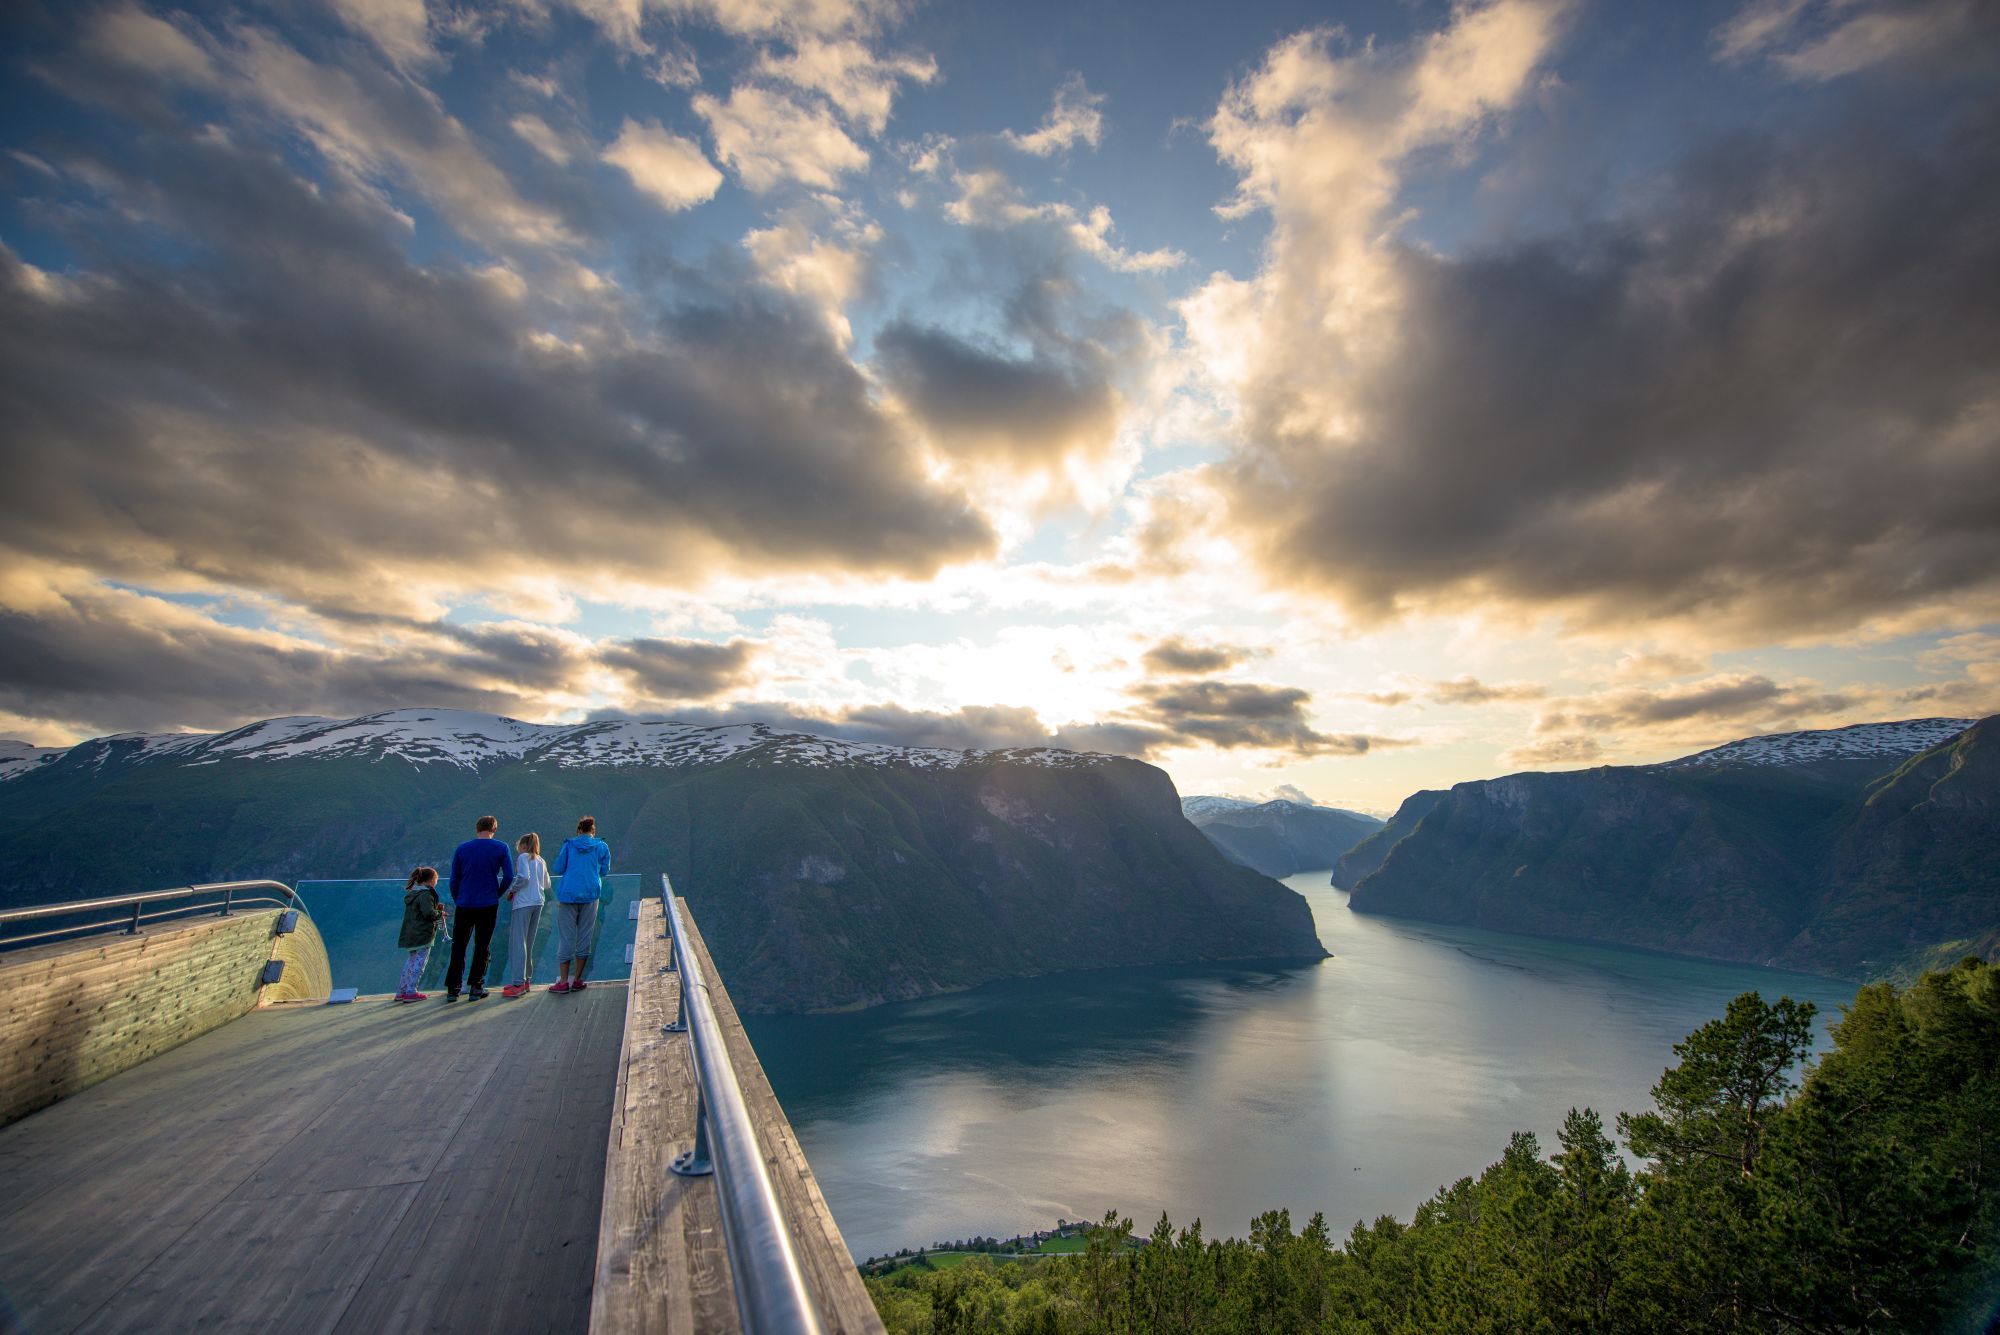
[[686, 1165]]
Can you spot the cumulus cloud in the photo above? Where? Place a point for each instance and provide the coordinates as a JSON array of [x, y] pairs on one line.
[[1467, 690], [397, 27], [1816, 40], [1073, 119], [368, 123], [1758, 402], [1177, 657], [1039, 391], [1233, 715], [823, 262], [668, 167], [859, 82], [106, 660], [301, 409], [979, 401], [1553, 752], [767, 138], [535, 132], [1726, 696], [128, 37], [1657, 665], [663, 671], [988, 198]]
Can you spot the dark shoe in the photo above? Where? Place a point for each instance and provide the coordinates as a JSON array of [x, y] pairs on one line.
[[451, 996], [476, 993]]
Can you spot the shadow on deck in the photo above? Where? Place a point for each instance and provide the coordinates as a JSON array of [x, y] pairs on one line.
[[370, 1167], [490, 1166]]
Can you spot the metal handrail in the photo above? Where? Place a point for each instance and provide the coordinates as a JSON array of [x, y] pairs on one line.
[[229, 890], [771, 1292]]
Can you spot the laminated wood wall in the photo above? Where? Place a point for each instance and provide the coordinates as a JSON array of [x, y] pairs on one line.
[[77, 1013]]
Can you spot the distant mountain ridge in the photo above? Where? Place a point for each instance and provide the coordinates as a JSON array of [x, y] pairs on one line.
[[468, 739], [1850, 851], [1279, 837], [1863, 741], [826, 873]]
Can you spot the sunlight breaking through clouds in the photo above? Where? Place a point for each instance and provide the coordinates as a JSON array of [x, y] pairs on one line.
[[1366, 408]]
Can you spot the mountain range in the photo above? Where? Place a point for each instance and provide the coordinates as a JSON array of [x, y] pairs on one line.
[[825, 873], [1858, 852], [1278, 837]]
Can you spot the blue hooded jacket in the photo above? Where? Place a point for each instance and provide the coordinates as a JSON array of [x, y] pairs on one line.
[[583, 862]]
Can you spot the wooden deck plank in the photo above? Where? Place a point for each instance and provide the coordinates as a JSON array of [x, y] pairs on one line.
[[263, 1173], [527, 1160], [292, 1262]]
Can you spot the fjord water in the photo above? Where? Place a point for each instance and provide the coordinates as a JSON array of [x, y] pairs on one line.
[[1356, 1086]]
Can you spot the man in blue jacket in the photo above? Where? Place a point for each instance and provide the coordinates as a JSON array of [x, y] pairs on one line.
[[583, 863], [481, 871]]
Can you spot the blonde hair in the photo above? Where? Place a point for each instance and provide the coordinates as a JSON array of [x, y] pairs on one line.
[[530, 843]]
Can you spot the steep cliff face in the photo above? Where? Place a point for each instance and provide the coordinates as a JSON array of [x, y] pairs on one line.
[[1783, 854], [1351, 867], [825, 874]]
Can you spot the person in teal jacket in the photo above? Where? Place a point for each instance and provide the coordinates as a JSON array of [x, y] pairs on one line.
[[581, 866]]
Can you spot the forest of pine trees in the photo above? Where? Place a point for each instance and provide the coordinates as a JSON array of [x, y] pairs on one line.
[[1857, 1196]]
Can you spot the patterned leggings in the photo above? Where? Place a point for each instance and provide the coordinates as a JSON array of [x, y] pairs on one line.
[[413, 969]]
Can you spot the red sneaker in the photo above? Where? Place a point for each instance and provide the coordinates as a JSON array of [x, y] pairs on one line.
[[411, 996], [513, 990], [559, 985], [577, 986]]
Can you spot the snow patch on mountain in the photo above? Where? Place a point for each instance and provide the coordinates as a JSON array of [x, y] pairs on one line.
[[1204, 806], [19, 757], [1858, 741], [471, 740]]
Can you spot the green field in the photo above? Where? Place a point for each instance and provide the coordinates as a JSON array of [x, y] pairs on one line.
[[946, 1260]]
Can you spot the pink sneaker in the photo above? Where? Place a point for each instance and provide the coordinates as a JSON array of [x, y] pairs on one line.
[[577, 986], [559, 985], [513, 990], [411, 996]]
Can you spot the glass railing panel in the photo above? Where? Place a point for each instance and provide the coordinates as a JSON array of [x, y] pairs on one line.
[[359, 920]]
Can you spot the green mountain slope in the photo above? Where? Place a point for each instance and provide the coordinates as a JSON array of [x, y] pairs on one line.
[[1812, 859], [819, 882]]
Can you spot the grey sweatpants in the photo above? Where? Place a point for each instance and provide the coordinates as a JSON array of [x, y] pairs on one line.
[[575, 925], [520, 940]]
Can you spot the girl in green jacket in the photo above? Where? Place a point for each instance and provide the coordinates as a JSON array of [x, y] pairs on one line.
[[421, 915]]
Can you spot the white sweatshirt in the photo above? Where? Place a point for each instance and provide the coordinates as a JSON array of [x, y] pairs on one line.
[[531, 879]]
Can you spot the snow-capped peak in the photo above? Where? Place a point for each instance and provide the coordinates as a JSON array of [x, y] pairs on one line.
[[470, 740], [1858, 741]]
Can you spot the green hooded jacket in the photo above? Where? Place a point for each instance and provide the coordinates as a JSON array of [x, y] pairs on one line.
[[421, 913]]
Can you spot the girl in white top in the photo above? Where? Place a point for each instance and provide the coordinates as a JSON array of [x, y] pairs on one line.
[[531, 883]]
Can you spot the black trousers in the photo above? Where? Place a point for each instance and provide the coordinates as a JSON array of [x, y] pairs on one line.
[[476, 924]]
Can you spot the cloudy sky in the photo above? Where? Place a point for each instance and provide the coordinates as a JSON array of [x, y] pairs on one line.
[[1356, 396]]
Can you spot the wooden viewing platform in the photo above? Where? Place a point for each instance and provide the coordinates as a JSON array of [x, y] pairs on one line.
[[485, 1166]]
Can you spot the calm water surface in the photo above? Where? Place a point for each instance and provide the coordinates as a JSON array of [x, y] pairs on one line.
[[1356, 1086]]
